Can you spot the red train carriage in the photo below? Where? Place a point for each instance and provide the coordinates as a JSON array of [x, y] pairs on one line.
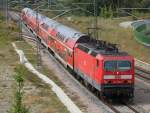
[[98, 63]]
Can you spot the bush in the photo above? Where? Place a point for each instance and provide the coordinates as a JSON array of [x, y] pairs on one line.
[[18, 107], [106, 12]]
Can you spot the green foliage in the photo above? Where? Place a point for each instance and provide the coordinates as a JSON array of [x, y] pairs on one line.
[[102, 12], [110, 12], [135, 14], [106, 12], [19, 79], [18, 107], [110, 5]]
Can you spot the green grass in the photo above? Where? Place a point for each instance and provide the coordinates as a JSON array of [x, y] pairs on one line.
[[53, 102], [46, 97], [7, 35], [9, 59], [28, 51]]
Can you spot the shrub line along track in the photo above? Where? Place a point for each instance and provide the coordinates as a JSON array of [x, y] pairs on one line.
[[104, 101]]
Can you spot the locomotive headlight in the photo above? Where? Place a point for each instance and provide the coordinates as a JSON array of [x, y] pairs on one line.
[[109, 76]]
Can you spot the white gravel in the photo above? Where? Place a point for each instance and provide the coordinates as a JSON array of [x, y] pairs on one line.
[[126, 24]]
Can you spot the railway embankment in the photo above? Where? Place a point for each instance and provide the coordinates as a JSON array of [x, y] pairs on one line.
[[37, 96], [55, 88]]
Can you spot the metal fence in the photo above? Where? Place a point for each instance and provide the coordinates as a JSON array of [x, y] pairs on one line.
[[3, 8]]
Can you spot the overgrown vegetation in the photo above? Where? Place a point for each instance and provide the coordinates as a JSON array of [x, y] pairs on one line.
[[106, 12], [106, 4], [32, 57], [18, 106], [42, 99], [47, 101], [102, 5]]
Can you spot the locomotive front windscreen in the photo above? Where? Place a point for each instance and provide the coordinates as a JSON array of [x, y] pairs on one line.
[[116, 65]]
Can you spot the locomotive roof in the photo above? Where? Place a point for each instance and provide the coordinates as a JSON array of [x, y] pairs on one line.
[[65, 34], [101, 47]]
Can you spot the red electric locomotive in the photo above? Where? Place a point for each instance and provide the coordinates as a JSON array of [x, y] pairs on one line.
[[100, 64]]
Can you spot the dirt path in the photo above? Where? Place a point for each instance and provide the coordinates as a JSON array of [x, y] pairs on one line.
[[6, 87], [7, 84]]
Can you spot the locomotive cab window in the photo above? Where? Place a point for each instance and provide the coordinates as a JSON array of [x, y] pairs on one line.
[[124, 65], [117, 65], [110, 65]]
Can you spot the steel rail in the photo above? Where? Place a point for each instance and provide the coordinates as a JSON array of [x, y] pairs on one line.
[[141, 72], [130, 107], [110, 106]]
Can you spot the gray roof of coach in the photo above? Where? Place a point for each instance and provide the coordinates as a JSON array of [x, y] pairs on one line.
[[66, 31]]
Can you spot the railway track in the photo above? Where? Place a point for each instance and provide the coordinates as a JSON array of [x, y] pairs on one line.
[[142, 73], [131, 108], [124, 104]]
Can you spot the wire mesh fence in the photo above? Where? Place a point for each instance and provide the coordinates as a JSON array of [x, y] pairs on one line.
[[3, 8]]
